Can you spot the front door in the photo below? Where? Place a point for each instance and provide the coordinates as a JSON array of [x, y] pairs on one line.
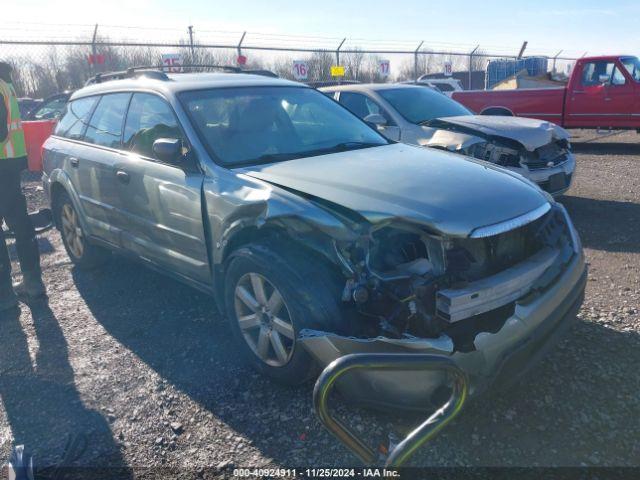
[[162, 202], [362, 105], [602, 97]]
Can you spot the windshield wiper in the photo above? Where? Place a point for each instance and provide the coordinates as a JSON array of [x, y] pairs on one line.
[[281, 157], [343, 147]]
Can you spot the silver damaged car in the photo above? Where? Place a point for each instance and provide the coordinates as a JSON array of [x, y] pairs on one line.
[[419, 115], [317, 236]]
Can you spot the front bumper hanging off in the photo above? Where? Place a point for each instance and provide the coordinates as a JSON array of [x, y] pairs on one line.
[[426, 431]]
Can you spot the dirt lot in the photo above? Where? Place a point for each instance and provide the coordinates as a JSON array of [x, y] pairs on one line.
[[146, 370]]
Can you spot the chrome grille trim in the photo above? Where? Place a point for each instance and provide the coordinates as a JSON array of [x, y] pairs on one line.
[[498, 228]]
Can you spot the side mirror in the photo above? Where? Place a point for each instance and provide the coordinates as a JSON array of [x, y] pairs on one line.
[[375, 119], [604, 79], [168, 150]]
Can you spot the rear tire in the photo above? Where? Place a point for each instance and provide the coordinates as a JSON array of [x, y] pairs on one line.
[[256, 276], [80, 251]]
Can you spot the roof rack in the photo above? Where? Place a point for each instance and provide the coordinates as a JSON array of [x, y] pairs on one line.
[[157, 72]]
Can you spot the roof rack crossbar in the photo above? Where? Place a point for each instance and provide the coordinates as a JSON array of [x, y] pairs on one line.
[[158, 72]]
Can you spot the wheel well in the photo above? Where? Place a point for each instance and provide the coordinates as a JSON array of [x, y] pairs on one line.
[[500, 111], [287, 246], [247, 236], [57, 190]]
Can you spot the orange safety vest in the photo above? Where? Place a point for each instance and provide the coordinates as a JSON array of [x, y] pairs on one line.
[[14, 146]]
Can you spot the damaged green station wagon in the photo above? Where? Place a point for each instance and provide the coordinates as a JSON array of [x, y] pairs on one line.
[[317, 236]]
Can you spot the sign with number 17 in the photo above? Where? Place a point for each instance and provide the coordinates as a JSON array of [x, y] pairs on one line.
[[300, 70], [385, 68]]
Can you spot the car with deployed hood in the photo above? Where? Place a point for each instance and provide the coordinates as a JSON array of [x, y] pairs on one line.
[[414, 114], [317, 236]]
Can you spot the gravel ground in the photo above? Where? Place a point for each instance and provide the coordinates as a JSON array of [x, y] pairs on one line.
[[146, 369]]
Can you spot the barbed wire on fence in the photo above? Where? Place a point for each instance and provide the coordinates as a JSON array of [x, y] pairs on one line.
[[65, 56]]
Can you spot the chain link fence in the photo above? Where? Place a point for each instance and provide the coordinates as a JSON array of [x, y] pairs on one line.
[[65, 62]]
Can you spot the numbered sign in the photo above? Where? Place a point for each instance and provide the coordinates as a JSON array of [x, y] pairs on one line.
[[337, 71], [300, 70], [172, 62], [447, 69], [384, 68], [96, 59]]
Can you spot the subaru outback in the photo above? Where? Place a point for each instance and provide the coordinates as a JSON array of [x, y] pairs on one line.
[[317, 236]]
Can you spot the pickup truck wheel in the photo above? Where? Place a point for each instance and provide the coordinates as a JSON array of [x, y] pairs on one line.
[[269, 299], [497, 112], [80, 251]]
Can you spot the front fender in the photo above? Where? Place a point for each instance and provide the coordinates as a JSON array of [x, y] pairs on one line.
[[236, 203]]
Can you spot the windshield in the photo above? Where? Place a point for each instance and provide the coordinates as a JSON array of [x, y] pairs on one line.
[[252, 125], [632, 64], [421, 104]]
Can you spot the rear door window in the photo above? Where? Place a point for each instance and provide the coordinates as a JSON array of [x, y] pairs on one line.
[[105, 126], [75, 118], [149, 119]]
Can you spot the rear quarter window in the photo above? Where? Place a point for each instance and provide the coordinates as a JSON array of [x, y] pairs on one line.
[[75, 118]]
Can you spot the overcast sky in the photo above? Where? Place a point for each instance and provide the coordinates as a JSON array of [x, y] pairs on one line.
[[549, 25]]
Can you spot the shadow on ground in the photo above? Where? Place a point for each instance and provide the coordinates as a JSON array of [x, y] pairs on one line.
[[617, 228], [41, 401], [176, 331]]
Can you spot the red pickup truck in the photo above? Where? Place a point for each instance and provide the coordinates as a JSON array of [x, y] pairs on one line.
[[603, 92]]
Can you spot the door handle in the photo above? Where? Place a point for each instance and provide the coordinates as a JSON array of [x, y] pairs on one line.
[[123, 176], [74, 162]]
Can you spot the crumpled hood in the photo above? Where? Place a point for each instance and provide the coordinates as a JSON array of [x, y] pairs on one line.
[[447, 192], [529, 132]]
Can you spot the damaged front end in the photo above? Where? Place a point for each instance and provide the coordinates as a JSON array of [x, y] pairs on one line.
[[409, 289], [550, 165]]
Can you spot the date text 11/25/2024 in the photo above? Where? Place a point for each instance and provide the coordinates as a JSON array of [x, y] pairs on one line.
[[312, 473]]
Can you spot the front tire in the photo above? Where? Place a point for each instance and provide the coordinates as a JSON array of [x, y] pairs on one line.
[[269, 299], [80, 251]]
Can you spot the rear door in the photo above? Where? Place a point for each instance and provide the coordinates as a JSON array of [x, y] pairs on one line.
[[92, 165], [161, 202], [602, 96]]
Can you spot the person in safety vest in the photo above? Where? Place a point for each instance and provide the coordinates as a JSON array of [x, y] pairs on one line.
[[13, 206]]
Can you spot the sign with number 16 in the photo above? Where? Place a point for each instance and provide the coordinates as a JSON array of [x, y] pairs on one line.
[[300, 70]]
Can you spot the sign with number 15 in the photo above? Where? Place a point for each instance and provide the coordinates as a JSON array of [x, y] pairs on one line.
[[172, 62]]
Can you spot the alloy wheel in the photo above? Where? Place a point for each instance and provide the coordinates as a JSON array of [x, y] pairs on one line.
[[264, 319], [72, 231]]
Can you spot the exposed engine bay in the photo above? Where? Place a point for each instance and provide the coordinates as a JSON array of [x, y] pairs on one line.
[[501, 151], [404, 281]]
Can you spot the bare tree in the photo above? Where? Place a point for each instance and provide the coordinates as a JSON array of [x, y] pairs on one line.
[[320, 65]]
